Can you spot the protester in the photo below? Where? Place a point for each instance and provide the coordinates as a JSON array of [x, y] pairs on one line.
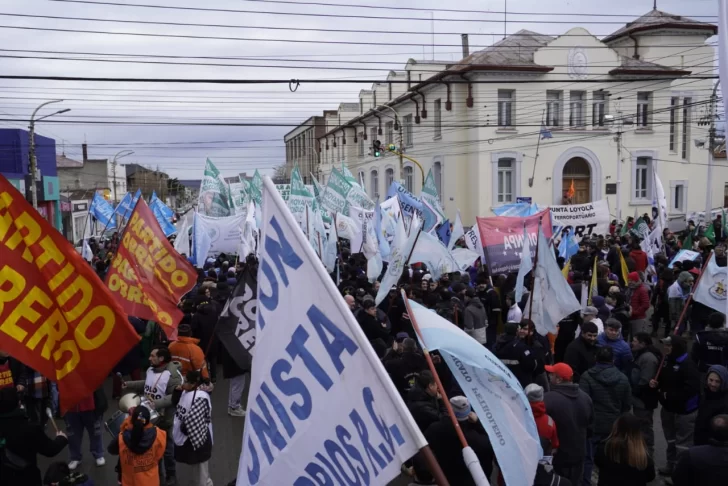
[[86, 415], [713, 402], [14, 371], [573, 413], [590, 314], [475, 317], [611, 397], [705, 465], [639, 302], [546, 425], [581, 353], [710, 346], [187, 353], [516, 355], [140, 447], [424, 401], [192, 430], [679, 391], [163, 376], [373, 325], [514, 312], [612, 338], [23, 441], [644, 398], [406, 363], [623, 458], [677, 295]]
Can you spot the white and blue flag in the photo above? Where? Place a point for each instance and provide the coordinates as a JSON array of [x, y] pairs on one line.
[[104, 213], [525, 266], [494, 393], [322, 408]]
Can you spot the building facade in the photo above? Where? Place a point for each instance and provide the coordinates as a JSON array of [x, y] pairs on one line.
[[148, 180], [15, 163], [92, 175], [302, 148], [615, 110]]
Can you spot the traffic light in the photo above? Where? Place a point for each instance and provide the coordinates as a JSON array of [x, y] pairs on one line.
[[377, 148], [391, 147]]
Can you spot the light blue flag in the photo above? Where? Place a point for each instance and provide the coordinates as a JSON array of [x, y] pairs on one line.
[[568, 246], [430, 251], [104, 213], [431, 217], [525, 267], [495, 395], [124, 205], [164, 222], [409, 202], [163, 208], [517, 210], [401, 249], [552, 298]]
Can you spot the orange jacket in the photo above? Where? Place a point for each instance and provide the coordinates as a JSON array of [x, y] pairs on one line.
[[141, 469], [186, 351]]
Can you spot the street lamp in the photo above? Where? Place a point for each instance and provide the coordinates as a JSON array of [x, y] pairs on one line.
[[119, 155], [33, 165]]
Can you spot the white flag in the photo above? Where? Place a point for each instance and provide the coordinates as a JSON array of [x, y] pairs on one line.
[[182, 242], [472, 241], [318, 394], [347, 228], [457, 232], [525, 266], [711, 289], [430, 251], [401, 249]]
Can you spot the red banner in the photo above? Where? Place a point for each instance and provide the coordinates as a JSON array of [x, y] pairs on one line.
[[56, 316], [502, 237], [147, 276]]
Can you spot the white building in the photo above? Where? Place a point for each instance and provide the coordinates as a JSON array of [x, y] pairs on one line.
[[477, 123]]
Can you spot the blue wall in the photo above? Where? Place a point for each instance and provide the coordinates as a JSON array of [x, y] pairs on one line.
[[14, 149]]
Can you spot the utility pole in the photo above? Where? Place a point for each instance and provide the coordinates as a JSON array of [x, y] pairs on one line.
[[33, 165], [711, 148], [119, 155], [619, 175]]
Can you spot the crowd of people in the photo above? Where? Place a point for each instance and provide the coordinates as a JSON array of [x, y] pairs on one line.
[[594, 387]]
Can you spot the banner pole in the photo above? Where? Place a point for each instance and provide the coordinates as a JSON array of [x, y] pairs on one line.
[[440, 388], [533, 272], [684, 311]]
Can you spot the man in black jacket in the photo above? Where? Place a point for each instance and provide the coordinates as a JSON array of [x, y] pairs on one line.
[[573, 412], [644, 399], [711, 345], [407, 363], [12, 372], [372, 323], [23, 442], [516, 355], [443, 440], [705, 465], [678, 387], [424, 401], [581, 352]]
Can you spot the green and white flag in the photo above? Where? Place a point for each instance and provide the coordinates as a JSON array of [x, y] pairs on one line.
[[239, 198], [256, 188], [429, 194], [318, 189], [336, 193], [349, 176], [284, 190], [640, 229], [214, 198], [358, 196], [299, 198]]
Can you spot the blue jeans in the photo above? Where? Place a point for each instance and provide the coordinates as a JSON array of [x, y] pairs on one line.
[[591, 447], [76, 422]]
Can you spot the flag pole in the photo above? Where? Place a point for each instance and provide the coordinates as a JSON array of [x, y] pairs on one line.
[[533, 272], [684, 311], [535, 159], [440, 388]]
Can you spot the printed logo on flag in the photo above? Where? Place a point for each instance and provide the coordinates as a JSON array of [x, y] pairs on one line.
[[718, 290]]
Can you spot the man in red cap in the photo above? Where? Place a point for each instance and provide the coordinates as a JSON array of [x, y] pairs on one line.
[[639, 301], [573, 412]]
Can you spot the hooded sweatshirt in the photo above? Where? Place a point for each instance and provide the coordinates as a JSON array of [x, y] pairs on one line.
[[139, 463], [611, 395], [571, 409], [712, 404], [476, 319], [545, 424], [622, 351], [679, 383]]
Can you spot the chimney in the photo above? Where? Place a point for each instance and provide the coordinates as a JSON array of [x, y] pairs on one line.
[[466, 47], [84, 149]]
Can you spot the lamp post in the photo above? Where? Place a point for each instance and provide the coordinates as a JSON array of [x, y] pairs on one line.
[[33, 164], [397, 127], [119, 155]]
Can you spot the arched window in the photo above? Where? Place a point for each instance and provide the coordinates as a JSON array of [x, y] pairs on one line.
[[388, 178], [437, 174], [374, 184], [409, 178]]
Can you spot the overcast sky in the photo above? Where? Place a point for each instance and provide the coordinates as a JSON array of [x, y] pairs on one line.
[[168, 146]]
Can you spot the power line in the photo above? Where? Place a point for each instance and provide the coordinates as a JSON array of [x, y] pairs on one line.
[[297, 29], [384, 7], [294, 41], [306, 14]]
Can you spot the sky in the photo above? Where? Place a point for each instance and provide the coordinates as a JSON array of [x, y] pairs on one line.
[[115, 116]]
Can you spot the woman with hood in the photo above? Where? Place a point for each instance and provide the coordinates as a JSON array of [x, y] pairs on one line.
[[140, 447], [713, 402]]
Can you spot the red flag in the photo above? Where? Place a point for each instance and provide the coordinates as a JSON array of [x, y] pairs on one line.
[[502, 237], [56, 316], [147, 276]]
